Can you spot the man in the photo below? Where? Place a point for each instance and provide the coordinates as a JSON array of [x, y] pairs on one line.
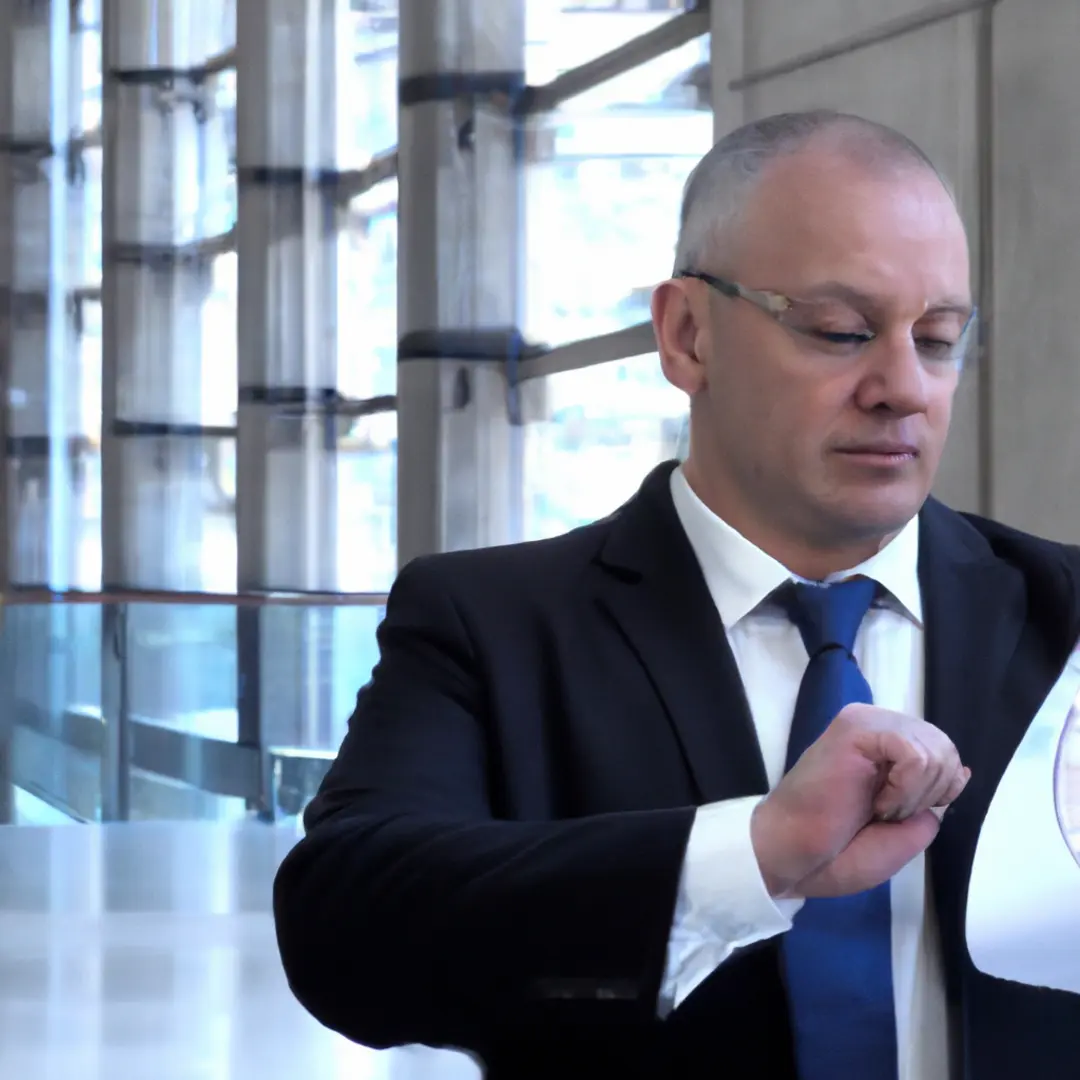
[[652, 799]]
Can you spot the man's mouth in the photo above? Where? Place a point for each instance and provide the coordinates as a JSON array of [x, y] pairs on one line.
[[881, 453]]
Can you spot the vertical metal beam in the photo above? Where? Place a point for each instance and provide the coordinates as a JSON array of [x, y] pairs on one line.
[[459, 273], [291, 59], [7, 723], [116, 749]]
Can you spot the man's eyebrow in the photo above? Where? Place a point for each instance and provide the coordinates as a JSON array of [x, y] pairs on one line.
[[951, 305], [839, 290]]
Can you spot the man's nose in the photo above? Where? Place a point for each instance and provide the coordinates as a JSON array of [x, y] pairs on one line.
[[896, 376]]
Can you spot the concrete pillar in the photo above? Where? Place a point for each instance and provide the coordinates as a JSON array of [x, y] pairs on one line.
[[166, 215], [37, 354], [39, 365], [292, 57], [165, 170], [459, 273]]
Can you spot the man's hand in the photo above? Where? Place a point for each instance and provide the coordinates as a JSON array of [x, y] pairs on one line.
[[857, 806]]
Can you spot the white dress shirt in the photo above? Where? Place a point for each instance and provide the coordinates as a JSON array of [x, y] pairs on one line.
[[723, 904]]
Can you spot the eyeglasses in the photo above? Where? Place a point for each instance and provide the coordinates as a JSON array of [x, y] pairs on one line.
[[837, 328]]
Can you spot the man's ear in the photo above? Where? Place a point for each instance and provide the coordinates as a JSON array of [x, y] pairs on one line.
[[676, 324]]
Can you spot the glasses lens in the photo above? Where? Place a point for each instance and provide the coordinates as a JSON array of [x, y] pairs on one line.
[[832, 326], [836, 328]]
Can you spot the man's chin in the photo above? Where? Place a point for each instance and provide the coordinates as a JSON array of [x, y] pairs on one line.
[[882, 513]]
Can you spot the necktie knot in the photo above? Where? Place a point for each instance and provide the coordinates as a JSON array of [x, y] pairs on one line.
[[828, 615]]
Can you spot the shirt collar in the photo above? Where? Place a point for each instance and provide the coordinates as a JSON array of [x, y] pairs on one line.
[[740, 575]]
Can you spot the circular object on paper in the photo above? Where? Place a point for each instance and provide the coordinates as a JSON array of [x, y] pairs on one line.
[[1068, 782]]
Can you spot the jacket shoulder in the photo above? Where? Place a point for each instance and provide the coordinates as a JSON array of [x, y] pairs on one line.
[[514, 569], [1025, 549]]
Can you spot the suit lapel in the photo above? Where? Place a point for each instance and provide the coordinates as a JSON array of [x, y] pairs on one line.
[[974, 608], [650, 585]]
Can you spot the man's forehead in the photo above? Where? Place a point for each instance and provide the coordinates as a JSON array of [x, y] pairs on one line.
[[815, 193], [830, 223]]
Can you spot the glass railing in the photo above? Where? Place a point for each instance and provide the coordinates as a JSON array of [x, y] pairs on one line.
[[172, 706], [176, 706]]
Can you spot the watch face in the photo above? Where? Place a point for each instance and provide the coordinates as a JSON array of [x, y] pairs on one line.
[[1068, 782]]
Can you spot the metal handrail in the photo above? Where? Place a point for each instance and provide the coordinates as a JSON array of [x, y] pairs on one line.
[[37, 596]]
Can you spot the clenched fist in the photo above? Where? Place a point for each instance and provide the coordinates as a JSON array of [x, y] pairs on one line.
[[857, 806]]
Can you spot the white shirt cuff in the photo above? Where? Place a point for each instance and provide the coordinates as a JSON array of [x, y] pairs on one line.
[[722, 904]]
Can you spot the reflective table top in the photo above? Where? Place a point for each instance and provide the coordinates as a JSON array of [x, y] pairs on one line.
[[147, 950], [142, 951]]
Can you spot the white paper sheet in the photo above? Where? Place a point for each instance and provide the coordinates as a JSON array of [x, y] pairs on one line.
[[1023, 916]]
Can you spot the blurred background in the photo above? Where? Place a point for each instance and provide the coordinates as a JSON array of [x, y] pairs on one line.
[[292, 291]]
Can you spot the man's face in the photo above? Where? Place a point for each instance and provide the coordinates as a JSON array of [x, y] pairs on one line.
[[831, 432]]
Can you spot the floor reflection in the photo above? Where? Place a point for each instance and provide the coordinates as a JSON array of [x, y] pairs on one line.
[[137, 951]]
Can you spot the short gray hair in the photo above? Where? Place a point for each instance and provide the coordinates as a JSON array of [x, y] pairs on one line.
[[719, 184]]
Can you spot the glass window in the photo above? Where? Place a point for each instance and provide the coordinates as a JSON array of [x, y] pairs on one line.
[[86, 500], [367, 295], [367, 504], [182, 667], [602, 196], [51, 656], [182, 675], [603, 429], [87, 44], [219, 354], [367, 308], [368, 98], [86, 233], [561, 34]]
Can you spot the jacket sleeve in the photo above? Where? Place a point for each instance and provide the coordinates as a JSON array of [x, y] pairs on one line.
[[410, 913]]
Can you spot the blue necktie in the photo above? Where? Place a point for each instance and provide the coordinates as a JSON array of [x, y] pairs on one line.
[[838, 955]]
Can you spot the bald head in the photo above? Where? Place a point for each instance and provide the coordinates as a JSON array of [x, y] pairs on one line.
[[724, 180]]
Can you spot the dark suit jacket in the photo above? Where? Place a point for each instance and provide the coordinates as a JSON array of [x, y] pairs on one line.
[[492, 861]]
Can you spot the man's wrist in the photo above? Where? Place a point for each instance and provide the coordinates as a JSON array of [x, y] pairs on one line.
[[763, 833]]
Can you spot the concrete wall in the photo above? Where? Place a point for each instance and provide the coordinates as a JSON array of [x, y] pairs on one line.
[[990, 91], [1035, 376]]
